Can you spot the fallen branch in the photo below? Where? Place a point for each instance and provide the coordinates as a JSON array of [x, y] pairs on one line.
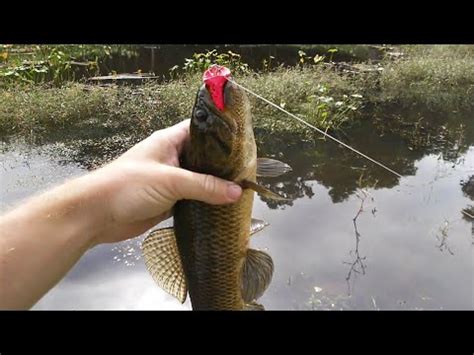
[[467, 214]]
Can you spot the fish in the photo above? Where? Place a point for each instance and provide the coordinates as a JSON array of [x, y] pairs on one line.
[[206, 253]]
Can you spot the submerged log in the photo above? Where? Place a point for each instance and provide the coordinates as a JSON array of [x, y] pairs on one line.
[[124, 77], [356, 68], [82, 64]]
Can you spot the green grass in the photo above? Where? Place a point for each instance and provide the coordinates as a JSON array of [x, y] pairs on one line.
[[39, 110], [439, 77], [36, 109]]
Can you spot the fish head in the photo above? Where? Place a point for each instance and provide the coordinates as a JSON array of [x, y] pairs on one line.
[[222, 138]]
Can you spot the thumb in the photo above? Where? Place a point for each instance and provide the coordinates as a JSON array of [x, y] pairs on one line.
[[204, 187]]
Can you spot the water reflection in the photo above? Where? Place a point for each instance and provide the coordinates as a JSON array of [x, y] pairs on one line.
[[442, 236], [357, 266], [339, 169], [467, 187]]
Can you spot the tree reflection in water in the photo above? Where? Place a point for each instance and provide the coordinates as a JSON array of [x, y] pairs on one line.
[[467, 188], [398, 142], [357, 266]]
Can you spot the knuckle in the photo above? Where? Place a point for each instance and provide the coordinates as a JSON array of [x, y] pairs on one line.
[[210, 184]]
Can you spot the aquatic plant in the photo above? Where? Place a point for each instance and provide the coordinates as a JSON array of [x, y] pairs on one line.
[[199, 62]]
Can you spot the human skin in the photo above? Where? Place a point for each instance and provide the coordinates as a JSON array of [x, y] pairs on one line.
[[44, 237]]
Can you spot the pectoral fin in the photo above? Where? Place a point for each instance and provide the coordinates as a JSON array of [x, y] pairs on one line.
[[257, 225], [267, 167], [164, 263], [257, 274], [262, 191], [253, 306]]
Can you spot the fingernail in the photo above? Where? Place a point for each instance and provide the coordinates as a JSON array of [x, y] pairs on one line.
[[234, 191]]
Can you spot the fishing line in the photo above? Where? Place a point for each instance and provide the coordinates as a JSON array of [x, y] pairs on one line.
[[316, 129]]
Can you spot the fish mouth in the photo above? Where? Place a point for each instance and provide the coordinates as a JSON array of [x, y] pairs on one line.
[[210, 121]]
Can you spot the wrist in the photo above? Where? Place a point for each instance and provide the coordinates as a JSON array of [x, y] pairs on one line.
[[90, 198]]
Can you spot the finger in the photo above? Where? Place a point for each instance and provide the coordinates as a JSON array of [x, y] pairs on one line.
[[163, 145], [202, 187], [177, 135]]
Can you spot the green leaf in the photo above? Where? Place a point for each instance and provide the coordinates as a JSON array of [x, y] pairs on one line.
[[318, 58]]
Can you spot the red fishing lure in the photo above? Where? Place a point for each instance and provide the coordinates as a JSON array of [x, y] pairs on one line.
[[215, 78]]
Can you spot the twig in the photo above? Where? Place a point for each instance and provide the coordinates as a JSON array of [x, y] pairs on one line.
[[467, 214], [443, 238], [357, 264]]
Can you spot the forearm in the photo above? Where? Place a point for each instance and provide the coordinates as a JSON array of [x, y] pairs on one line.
[[41, 240]]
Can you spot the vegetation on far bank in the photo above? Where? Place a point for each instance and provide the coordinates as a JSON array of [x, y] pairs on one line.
[[56, 64], [440, 77], [327, 94], [36, 109]]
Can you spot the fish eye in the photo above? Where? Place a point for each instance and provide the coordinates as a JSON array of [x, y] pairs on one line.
[[201, 115]]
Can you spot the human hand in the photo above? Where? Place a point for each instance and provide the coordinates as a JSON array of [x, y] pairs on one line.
[[140, 187]]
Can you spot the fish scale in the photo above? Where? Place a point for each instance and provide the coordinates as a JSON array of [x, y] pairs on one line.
[[213, 241]]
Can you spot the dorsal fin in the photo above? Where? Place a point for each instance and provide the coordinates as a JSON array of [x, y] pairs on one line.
[[267, 167]]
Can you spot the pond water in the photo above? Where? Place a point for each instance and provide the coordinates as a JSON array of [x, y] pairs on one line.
[[410, 247]]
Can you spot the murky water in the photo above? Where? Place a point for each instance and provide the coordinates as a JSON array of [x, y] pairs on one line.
[[410, 247]]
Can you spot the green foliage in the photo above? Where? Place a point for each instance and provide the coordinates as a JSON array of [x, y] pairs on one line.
[[309, 60], [201, 61], [329, 112], [53, 63], [331, 52], [316, 94], [267, 63], [306, 59]]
